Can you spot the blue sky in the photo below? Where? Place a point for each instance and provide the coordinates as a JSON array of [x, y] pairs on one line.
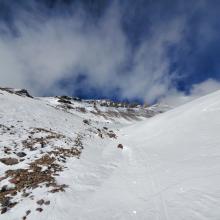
[[145, 50]]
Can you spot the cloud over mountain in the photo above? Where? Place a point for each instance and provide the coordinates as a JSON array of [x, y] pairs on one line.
[[65, 51]]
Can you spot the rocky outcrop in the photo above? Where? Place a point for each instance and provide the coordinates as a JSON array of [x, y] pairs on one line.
[[20, 92]]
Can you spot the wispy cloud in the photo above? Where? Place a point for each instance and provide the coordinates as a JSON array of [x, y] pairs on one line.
[[175, 97], [42, 50], [49, 49]]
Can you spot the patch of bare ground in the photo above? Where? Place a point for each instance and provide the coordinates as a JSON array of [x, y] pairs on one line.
[[105, 132], [9, 161], [31, 141], [41, 171]]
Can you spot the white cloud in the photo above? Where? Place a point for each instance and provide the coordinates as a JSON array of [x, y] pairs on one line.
[[175, 98], [47, 50], [150, 77], [44, 53]]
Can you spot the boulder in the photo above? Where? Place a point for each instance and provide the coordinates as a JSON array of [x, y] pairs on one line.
[[120, 146], [9, 161]]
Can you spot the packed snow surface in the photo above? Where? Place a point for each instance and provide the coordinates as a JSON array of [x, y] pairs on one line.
[[168, 169]]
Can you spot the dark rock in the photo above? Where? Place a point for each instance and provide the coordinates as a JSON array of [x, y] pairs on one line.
[[20, 92], [5, 201], [4, 210], [68, 107], [120, 146], [23, 92], [28, 212], [65, 97], [64, 101], [40, 202], [25, 194], [47, 202], [12, 204], [4, 188], [7, 150], [112, 135], [43, 144], [39, 209], [85, 121], [21, 154], [9, 161]]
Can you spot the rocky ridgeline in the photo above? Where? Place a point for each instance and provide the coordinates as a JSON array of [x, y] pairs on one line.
[[20, 92], [108, 109], [103, 102]]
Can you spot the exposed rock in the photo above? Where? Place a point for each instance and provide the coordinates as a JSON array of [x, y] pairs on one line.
[[85, 121], [64, 101], [4, 188], [7, 150], [39, 209], [25, 194], [9, 161], [65, 97], [4, 210], [21, 154], [35, 175], [111, 134], [40, 202], [28, 212], [6, 203], [120, 146], [81, 109], [32, 141], [23, 92], [20, 92], [47, 202], [60, 188]]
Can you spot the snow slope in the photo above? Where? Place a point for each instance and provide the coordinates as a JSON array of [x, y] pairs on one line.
[[169, 167]]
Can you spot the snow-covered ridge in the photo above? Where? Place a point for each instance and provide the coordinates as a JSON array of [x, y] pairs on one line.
[[101, 109], [42, 138], [105, 109]]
